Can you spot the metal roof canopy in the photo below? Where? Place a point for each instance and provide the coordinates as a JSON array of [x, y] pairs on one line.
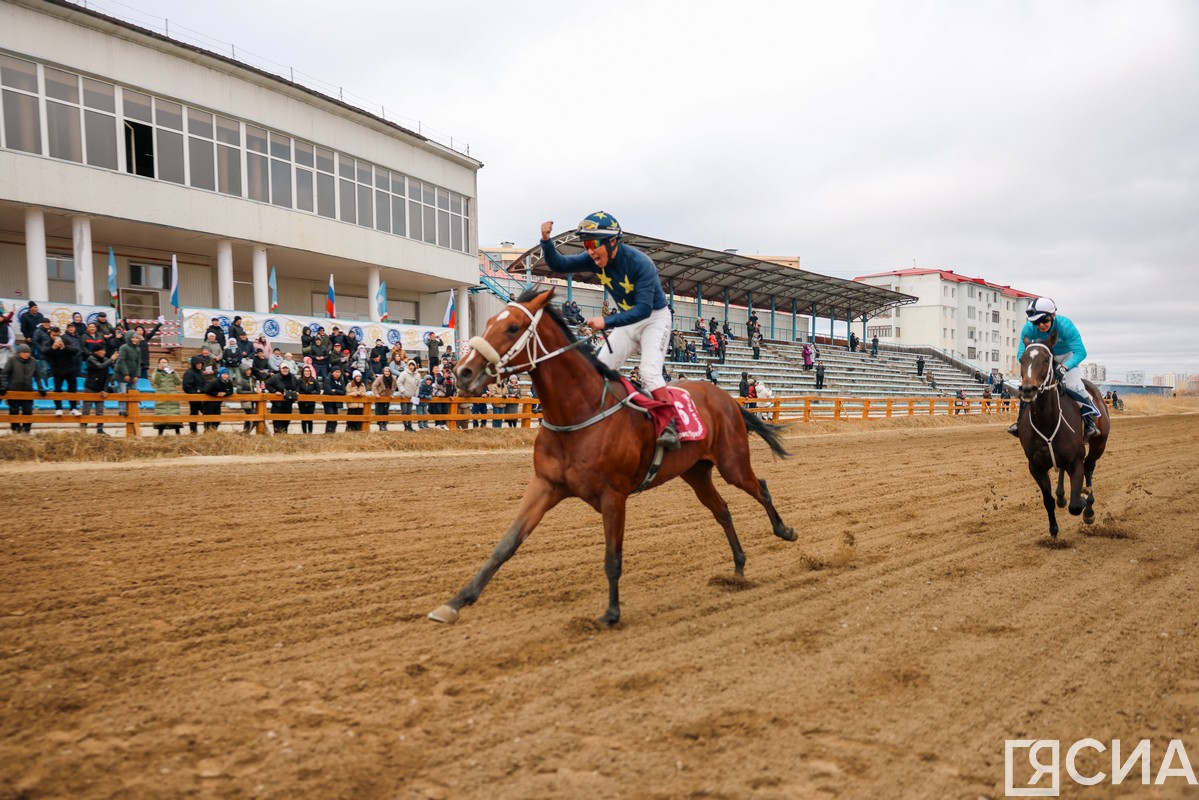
[[692, 268]]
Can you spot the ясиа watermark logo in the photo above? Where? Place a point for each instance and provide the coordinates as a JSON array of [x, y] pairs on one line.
[[1033, 767]]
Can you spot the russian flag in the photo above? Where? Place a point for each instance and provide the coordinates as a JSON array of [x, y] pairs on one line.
[[450, 320], [331, 300]]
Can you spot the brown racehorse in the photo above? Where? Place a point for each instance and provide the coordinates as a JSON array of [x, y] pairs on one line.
[[1052, 435], [601, 450]]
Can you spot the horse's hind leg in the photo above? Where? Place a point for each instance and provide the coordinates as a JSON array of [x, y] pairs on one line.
[[540, 497], [735, 469], [1088, 469], [699, 478]]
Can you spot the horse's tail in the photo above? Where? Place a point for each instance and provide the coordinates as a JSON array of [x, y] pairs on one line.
[[767, 431]]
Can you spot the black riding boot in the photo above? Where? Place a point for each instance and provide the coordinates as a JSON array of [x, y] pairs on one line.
[[1014, 430]]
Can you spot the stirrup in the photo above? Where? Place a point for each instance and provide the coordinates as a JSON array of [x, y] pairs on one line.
[[1090, 430], [669, 438]]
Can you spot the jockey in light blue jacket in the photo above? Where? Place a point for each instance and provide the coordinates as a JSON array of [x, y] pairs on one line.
[[1068, 352]]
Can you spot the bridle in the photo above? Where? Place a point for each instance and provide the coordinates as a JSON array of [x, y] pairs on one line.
[[535, 352], [1049, 382], [529, 342]]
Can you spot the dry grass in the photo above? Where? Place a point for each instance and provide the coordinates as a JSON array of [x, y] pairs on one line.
[[74, 447], [59, 447]]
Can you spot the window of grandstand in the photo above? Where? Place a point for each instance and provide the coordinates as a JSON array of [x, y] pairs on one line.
[[165, 140], [60, 267], [881, 331], [150, 276]]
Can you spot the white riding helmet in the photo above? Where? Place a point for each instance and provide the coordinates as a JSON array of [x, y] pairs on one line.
[[1041, 309]]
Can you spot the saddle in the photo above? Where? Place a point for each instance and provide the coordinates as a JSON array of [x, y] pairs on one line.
[[681, 409]]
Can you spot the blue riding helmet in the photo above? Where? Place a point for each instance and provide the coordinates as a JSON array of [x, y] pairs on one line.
[[600, 226]]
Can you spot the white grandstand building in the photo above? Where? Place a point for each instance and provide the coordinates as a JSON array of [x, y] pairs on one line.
[[970, 318], [117, 139]]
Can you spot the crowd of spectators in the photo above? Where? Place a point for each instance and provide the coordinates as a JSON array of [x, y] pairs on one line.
[[334, 364]]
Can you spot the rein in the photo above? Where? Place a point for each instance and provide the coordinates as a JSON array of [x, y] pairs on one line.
[[1047, 384], [535, 353]]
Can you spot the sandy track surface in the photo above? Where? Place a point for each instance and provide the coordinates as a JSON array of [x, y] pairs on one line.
[[164, 633]]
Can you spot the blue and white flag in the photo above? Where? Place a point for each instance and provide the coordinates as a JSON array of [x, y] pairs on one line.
[[274, 291], [112, 279], [381, 301], [175, 282]]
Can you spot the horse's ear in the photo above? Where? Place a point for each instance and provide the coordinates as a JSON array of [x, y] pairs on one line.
[[539, 302], [1027, 341], [1052, 340]]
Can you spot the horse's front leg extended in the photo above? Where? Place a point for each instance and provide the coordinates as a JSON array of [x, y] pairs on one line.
[[613, 509], [1046, 483], [1061, 488], [540, 497]]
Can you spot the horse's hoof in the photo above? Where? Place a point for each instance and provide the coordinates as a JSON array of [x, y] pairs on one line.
[[1088, 517], [1061, 502], [609, 619], [788, 535], [444, 613]]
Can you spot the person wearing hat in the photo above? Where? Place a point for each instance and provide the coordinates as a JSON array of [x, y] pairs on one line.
[[219, 387], [642, 320], [128, 366], [21, 374], [105, 329], [384, 388], [335, 386], [286, 386], [380, 354], [216, 331], [30, 321], [194, 381], [8, 338], [407, 389]]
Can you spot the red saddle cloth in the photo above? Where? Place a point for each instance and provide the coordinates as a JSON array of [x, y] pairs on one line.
[[681, 409]]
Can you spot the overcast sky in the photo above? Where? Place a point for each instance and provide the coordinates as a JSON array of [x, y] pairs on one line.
[[1050, 146]]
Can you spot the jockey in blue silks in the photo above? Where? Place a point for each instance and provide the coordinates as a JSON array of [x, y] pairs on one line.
[[1068, 353], [642, 319]]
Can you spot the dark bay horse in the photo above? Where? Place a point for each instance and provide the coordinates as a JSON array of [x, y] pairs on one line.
[[602, 450], [1052, 435]]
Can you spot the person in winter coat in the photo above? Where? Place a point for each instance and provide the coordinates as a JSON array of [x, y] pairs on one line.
[[755, 341], [140, 330], [808, 359], [424, 395], [128, 367], [21, 374], [95, 381], [384, 388], [407, 387], [215, 348], [356, 388], [215, 332], [219, 387], [380, 355], [320, 357], [512, 391], [73, 336], [236, 330], [309, 384], [286, 386], [246, 384], [397, 349], [166, 380], [231, 359], [193, 383], [306, 340], [63, 359], [361, 362], [335, 386], [743, 386]]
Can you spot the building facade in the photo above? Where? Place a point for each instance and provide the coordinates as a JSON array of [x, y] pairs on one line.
[[115, 137], [967, 317]]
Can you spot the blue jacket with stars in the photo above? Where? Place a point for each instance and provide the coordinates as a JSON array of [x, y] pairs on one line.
[[1069, 340], [630, 277]]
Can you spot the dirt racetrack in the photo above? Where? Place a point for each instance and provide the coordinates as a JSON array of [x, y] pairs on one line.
[[211, 630]]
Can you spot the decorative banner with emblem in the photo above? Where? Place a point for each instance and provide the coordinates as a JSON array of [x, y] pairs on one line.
[[287, 328]]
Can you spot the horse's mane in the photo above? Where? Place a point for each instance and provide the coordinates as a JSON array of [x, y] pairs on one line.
[[585, 350]]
